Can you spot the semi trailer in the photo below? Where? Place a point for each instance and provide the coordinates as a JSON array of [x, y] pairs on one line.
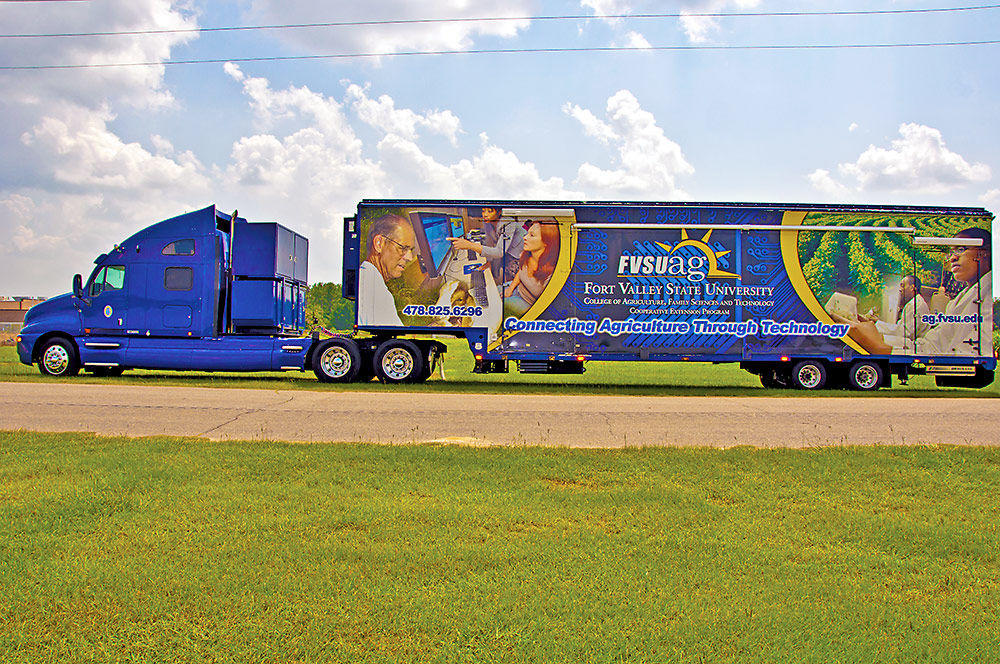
[[804, 296]]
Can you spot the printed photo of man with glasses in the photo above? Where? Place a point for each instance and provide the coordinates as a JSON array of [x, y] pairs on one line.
[[391, 246]]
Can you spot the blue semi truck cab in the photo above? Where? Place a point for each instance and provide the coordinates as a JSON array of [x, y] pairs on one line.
[[204, 290]]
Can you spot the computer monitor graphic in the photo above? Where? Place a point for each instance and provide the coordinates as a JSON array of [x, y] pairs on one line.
[[432, 230]]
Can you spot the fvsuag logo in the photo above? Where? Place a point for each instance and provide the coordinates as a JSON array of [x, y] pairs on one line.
[[692, 259]]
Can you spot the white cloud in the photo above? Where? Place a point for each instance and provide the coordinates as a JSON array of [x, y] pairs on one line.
[[917, 162], [608, 8], [325, 147], [84, 187], [314, 173], [991, 197], [492, 173], [19, 213], [382, 114], [700, 28], [635, 39], [648, 163], [136, 86], [592, 125], [83, 151], [853, 127], [310, 175], [824, 182], [392, 38]]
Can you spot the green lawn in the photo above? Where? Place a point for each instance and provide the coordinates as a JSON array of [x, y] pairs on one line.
[[170, 550], [636, 378]]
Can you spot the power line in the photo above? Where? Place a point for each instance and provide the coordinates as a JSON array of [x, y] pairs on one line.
[[504, 51], [488, 19]]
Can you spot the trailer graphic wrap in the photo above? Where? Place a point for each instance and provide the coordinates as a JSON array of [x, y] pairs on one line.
[[698, 282]]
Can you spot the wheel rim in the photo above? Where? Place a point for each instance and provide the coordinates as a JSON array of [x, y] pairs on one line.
[[397, 364], [335, 361], [56, 359], [866, 376], [809, 376]]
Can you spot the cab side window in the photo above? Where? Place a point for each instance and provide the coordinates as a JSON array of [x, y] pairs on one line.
[[111, 277], [178, 278], [179, 248]]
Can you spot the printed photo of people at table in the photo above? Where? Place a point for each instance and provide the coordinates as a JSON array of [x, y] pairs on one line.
[[905, 298]]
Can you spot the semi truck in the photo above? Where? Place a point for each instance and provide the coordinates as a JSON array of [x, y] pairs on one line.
[[803, 296]]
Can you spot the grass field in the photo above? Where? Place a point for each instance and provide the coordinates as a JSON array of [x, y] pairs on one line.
[[169, 550], [636, 378]]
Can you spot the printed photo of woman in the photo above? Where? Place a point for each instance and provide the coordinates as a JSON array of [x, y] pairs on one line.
[[535, 267]]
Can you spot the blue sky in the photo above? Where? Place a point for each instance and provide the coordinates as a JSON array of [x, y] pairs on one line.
[[91, 155]]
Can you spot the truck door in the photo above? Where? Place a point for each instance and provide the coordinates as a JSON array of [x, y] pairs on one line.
[[105, 307]]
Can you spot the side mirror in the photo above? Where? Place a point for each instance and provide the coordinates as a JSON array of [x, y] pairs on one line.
[[77, 285]]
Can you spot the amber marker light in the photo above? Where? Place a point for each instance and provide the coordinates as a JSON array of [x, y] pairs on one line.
[[784, 359]]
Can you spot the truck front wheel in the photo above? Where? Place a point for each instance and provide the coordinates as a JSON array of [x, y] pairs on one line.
[[58, 358], [337, 361], [398, 361]]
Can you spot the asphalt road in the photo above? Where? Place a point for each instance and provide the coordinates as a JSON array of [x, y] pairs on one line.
[[488, 419]]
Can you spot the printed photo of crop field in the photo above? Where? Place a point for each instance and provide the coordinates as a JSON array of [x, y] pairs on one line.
[[862, 263]]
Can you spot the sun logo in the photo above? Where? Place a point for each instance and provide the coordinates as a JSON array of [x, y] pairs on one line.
[[697, 264], [706, 249]]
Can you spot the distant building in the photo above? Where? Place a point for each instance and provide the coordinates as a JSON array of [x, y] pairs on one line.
[[12, 310]]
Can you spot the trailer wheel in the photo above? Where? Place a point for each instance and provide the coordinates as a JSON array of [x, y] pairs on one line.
[[58, 358], [337, 361], [809, 375], [398, 361], [865, 375]]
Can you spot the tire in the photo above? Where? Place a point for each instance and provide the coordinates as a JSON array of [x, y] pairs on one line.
[[865, 376], [809, 375], [337, 361], [398, 361], [58, 358], [107, 372]]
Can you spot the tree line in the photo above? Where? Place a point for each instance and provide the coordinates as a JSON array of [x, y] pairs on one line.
[[326, 307]]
